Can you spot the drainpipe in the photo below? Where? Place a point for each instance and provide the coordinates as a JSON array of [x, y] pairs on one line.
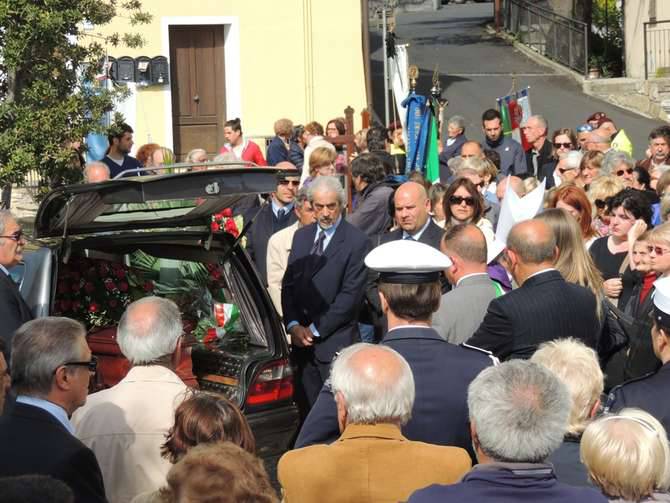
[[365, 28]]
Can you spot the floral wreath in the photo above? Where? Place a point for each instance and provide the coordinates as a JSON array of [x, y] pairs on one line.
[[225, 222]]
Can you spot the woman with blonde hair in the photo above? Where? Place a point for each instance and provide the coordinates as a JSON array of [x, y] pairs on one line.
[[601, 191], [627, 456], [573, 262], [589, 168], [321, 163]]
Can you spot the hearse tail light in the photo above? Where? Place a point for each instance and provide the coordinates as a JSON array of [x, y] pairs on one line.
[[274, 382]]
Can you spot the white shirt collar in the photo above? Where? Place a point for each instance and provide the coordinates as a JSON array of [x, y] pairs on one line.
[[4, 269], [416, 236]]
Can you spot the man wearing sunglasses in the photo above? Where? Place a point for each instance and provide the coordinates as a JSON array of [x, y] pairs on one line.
[[276, 215], [13, 309], [51, 368]]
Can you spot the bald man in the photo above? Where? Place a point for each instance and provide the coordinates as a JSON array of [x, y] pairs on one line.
[[95, 172], [544, 308], [412, 208], [516, 184], [462, 309]]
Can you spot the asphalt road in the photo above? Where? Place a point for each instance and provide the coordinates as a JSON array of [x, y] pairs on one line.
[[476, 68]]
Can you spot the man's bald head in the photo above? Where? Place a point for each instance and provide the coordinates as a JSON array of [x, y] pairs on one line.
[[472, 149], [533, 242], [285, 165], [516, 184], [412, 206], [372, 384], [467, 241], [96, 171]]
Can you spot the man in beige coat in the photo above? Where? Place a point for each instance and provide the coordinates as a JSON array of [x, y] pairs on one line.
[[279, 246], [371, 461], [126, 424]]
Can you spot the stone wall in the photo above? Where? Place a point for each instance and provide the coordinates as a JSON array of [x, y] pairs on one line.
[[649, 97]]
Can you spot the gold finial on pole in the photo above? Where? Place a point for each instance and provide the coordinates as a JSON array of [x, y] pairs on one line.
[[413, 73]]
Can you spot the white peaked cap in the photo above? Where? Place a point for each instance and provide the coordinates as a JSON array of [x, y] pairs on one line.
[[407, 261], [662, 300], [514, 209]]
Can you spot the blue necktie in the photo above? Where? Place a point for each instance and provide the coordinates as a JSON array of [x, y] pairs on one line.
[[280, 213], [317, 249]]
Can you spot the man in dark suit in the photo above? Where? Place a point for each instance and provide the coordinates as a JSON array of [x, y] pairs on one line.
[[13, 309], [51, 369], [454, 142], [323, 288], [276, 215], [649, 392], [442, 371], [545, 307], [535, 131]]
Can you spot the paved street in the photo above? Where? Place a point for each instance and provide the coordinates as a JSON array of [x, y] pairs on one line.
[[476, 68]]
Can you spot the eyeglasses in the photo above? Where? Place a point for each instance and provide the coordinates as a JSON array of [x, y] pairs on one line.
[[294, 183], [15, 236], [563, 170], [458, 200], [658, 250], [622, 171], [92, 364], [602, 203], [585, 128], [564, 145]]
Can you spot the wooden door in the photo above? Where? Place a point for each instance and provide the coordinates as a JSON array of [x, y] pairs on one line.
[[198, 88]]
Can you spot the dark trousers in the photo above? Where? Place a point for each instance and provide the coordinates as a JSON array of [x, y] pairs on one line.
[[309, 375]]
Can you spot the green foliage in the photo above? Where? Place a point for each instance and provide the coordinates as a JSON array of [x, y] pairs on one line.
[[48, 67], [607, 38]]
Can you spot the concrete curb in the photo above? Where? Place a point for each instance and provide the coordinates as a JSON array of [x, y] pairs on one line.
[[537, 57]]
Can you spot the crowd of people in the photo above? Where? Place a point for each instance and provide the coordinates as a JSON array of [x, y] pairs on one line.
[[429, 364]]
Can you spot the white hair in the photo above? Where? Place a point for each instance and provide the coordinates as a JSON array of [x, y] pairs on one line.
[[541, 121], [145, 335], [373, 395], [95, 165], [613, 159], [573, 158], [190, 157], [519, 410], [327, 184], [5, 217], [458, 121], [577, 366]]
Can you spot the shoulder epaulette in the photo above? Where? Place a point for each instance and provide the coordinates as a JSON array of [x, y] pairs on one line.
[[493, 358]]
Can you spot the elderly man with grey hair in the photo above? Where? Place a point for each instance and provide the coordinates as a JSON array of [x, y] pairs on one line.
[[126, 424], [13, 308], [535, 131], [323, 288], [96, 171], [518, 416], [51, 369], [372, 461]]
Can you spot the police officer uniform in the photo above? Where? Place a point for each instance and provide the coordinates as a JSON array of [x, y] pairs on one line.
[[649, 392], [442, 371]]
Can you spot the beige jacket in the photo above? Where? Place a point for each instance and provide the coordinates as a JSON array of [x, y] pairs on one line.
[[125, 426], [368, 464], [279, 247]]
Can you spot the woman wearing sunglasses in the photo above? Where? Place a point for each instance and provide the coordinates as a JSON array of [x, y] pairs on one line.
[[600, 193], [563, 140], [463, 204], [619, 164]]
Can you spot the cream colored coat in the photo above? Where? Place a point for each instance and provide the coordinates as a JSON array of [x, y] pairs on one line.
[[279, 247], [368, 464], [125, 426]]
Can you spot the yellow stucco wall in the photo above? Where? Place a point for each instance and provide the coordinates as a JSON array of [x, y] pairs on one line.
[[300, 59]]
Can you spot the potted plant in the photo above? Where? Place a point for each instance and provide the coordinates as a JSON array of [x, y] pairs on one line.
[[595, 67]]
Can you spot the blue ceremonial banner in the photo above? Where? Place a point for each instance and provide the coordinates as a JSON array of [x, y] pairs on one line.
[[416, 131]]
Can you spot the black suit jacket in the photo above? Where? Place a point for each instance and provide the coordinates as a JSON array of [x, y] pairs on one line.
[[326, 290], [14, 311], [448, 152], [544, 156], [547, 172], [544, 308], [264, 225], [32, 441], [431, 236], [442, 373]]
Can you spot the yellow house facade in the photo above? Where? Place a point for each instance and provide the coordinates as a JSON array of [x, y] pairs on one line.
[[259, 60]]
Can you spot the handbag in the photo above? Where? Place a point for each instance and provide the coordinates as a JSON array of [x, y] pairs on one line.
[[615, 333]]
